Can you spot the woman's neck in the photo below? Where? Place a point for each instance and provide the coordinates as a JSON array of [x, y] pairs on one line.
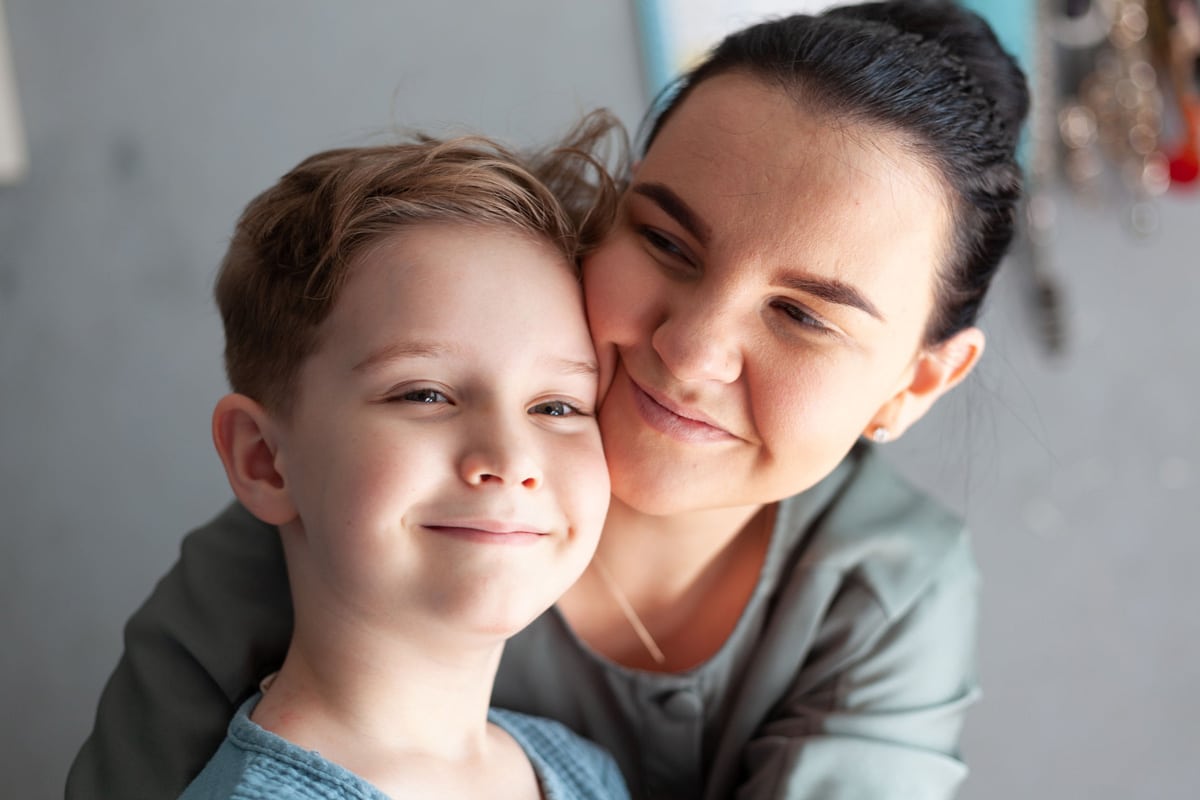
[[657, 559], [682, 579]]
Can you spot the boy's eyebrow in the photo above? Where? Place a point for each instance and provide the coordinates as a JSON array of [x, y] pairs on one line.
[[400, 350], [832, 291], [674, 206], [572, 366]]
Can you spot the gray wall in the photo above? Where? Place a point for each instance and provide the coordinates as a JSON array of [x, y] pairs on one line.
[[151, 124]]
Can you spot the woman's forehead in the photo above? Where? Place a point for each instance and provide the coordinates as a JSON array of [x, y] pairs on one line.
[[743, 126], [771, 183], [744, 156]]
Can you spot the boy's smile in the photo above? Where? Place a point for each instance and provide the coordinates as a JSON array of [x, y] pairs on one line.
[[443, 455]]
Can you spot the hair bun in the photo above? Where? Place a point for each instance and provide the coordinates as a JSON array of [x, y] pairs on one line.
[[966, 37]]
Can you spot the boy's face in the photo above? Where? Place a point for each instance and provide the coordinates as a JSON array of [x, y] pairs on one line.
[[443, 454]]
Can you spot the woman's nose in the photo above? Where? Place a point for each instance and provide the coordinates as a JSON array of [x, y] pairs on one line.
[[698, 340], [499, 456]]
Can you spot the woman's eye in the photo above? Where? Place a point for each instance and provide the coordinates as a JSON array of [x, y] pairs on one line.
[[802, 317], [427, 396], [662, 243], [555, 408]]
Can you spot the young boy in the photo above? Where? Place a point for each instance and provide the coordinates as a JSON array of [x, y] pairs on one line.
[[413, 395]]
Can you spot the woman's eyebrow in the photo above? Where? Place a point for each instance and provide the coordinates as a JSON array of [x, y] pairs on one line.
[[673, 205], [832, 291]]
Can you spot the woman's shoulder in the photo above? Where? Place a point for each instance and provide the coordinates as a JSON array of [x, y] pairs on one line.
[[233, 523], [872, 525]]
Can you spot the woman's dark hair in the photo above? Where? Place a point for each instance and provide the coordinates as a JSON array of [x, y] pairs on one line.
[[930, 71]]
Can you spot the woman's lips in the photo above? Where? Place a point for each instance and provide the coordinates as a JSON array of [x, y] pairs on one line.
[[672, 423]]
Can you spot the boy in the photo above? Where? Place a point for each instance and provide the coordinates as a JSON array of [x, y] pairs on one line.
[[413, 395]]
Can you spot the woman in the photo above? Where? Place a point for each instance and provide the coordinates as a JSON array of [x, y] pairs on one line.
[[799, 263]]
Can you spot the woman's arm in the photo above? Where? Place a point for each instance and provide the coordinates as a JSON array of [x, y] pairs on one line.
[[215, 624], [886, 724]]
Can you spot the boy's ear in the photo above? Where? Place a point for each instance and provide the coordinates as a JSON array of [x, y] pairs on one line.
[[246, 439], [935, 371]]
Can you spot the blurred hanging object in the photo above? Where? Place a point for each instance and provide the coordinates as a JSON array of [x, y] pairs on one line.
[[13, 155], [1177, 40], [1021, 26], [1033, 247], [1129, 105]]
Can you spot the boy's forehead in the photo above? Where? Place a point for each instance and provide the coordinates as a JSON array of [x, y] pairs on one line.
[[425, 290], [450, 254], [415, 238]]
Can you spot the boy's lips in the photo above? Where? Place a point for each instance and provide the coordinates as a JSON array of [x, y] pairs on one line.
[[489, 530], [675, 420]]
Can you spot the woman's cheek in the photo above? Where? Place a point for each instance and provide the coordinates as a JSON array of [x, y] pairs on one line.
[[599, 276], [616, 288], [606, 359]]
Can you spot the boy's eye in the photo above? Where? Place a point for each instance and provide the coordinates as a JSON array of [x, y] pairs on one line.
[[555, 408], [428, 396]]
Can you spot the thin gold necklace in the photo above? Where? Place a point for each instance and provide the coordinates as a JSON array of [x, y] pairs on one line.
[[766, 525], [631, 616]]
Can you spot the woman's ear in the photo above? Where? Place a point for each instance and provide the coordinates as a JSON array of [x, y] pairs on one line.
[[246, 438], [936, 370]]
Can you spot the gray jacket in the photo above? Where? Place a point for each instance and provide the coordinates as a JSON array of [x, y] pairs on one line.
[[847, 676]]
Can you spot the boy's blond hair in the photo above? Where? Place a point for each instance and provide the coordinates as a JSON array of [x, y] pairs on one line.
[[293, 246]]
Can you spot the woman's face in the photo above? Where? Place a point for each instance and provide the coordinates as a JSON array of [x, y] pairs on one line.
[[765, 292]]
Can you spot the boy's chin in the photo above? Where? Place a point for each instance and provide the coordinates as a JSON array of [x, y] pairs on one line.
[[496, 621]]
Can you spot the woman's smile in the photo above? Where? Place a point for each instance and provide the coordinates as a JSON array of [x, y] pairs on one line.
[[675, 420]]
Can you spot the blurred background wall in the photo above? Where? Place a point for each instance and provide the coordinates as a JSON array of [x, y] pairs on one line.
[[150, 125]]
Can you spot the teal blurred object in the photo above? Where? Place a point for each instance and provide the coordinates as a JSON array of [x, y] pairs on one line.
[[664, 43], [656, 64], [1013, 21], [1014, 24]]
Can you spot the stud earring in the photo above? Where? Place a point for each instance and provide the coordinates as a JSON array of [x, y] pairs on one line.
[[880, 434]]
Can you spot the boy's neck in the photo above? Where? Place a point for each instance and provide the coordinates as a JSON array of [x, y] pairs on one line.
[[379, 691], [399, 699], [410, 726], [407, 714]]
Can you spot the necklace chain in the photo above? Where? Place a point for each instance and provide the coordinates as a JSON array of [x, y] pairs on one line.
[[766, 524], [631, 616]]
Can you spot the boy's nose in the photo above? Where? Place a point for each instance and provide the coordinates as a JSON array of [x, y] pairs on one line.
[[499, 457]]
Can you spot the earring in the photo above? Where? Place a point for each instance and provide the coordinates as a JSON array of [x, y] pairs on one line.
[[880, 434]]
